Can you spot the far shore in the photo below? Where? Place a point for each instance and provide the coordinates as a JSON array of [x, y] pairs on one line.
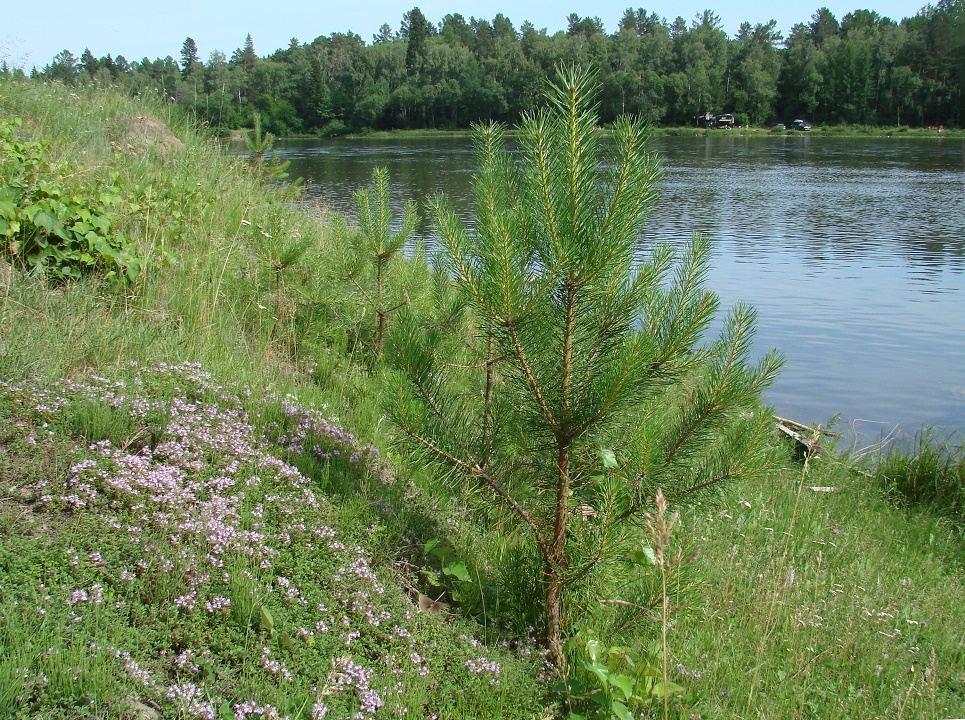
[[831, 131]]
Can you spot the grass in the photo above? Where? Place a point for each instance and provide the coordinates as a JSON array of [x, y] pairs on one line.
[[824, 604], [930, 474], [135, 576]]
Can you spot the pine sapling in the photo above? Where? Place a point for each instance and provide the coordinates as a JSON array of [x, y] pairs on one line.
[[596, 343]]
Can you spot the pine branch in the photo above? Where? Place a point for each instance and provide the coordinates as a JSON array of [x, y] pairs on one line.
[[475, 470], [533, 384]]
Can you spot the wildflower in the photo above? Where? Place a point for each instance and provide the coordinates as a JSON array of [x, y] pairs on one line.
[[273, 666]]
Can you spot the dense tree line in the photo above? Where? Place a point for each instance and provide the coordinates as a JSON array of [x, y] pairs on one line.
[[863, 69]]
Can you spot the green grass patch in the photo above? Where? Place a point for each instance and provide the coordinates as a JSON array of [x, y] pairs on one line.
[[822, 600], [930, 474]]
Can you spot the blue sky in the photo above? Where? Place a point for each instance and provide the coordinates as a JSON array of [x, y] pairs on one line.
[[33, 32]]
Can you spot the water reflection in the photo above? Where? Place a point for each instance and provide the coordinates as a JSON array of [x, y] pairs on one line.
[[853, 251]]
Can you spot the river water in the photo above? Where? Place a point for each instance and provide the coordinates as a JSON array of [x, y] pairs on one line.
[[852, 251]]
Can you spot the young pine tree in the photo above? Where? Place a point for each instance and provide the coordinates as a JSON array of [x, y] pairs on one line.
[[257, 143], [369, 254], [595, 389]]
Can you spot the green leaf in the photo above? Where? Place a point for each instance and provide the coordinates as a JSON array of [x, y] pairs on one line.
[[593, 650], [44, 219], [620, 710], [599, 669], [102, 222], [624, 683], [225, 712], [265, 620], [457, 570], [640, 557], [666, 688]]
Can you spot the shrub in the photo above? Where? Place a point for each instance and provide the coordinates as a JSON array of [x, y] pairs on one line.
[[46, 228]]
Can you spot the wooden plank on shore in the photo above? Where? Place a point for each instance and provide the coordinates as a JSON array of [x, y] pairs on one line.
[[804, 435]]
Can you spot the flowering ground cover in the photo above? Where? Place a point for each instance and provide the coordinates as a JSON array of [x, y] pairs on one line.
[[161, 550]]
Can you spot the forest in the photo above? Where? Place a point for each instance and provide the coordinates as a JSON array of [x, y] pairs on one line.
[[863, 69]]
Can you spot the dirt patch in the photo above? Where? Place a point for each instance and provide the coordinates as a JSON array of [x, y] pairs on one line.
[[149, 133]]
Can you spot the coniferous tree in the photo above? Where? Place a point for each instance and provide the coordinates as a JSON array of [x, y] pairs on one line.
[[245, 56], [957, 22], [384, 35], [63, 67], [189, 56], [866, 69], [594, 390], [370, 253], [417, 30], [88, 63], [823, 26]]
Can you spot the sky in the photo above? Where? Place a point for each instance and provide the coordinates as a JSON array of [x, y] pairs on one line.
[[31, 33]]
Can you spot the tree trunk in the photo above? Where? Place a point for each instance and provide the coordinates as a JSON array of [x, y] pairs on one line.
[[564, 446], [380, 310], [488, 396], [554, 623]]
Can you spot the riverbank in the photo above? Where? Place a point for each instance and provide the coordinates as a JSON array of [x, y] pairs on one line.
[[837, 131], [188, 529]]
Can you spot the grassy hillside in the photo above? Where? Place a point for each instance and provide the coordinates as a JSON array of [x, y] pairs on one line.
[[203, 514]]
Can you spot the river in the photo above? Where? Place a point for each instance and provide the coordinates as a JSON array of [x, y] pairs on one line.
[[852, 251]]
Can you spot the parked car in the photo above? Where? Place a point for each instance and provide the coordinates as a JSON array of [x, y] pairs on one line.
[[712, 120], [800, 125]]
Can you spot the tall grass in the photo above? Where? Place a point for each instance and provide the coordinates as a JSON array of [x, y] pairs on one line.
[[930, 474], [191, 208], [827, 604]]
